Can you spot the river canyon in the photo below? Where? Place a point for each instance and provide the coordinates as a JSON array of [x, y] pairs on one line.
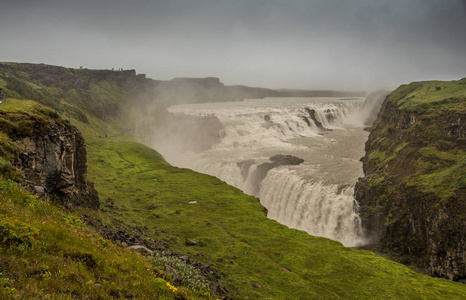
[[299, 156]]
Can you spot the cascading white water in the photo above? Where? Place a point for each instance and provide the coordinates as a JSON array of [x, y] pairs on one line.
[[317, 208], [316, 195]]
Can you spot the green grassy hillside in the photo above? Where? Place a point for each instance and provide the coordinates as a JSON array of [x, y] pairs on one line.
[[236, 239], [224, 232]]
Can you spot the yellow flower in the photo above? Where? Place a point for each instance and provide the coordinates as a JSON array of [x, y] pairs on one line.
[[171, 287]]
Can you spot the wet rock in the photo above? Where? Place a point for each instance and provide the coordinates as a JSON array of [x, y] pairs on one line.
[[141, 249], [172, 272], [307, 121], [277, 160], [312, 115], [39, 190], [190, 243], [286, 159]]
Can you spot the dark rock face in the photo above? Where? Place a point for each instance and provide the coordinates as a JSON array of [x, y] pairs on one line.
[[56, 161], [399, 209], [277, 160], [312, 115]]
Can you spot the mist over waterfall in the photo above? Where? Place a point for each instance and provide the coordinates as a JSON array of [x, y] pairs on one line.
[[299, 156]]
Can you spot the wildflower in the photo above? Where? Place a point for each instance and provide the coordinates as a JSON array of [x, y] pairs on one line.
[[171, 287]]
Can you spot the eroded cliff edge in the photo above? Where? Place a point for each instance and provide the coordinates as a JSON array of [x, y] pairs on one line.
[[413, 196], [50, 152]]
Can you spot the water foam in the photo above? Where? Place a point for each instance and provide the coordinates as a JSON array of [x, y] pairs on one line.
[[321, 210]]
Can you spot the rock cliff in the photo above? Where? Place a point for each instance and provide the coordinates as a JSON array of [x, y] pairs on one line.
[[413, 196], [51, 153], [55, 163]]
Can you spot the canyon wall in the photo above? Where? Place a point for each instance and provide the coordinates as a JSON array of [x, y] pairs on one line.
[[413, 196]]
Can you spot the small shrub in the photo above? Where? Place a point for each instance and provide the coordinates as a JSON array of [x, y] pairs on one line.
[[14, 233], [4, 280], [73, 221], [102, 242], [189, 276], [30, 201]]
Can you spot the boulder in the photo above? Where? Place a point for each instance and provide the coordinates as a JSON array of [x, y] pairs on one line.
[[39, 190], [172, 272], [190, 243], [141, 249]]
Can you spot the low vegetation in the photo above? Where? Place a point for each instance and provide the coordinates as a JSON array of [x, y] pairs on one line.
[[255, 257], [48, 252]]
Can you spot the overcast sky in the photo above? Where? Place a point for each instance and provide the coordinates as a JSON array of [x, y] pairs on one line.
[[304, 44]]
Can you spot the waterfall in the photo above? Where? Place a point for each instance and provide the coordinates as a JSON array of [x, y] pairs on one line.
[[318, 209], [310, 186]]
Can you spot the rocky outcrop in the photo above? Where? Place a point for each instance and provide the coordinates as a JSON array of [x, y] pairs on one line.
[[312, 115], [261, 171], [412, 198], [53, 160]]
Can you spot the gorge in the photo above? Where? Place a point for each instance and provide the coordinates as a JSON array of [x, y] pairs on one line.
[[272, 148], [299, 156]]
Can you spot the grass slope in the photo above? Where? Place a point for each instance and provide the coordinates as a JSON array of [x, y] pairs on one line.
[[234, 236], [47, 252], [441, 166]]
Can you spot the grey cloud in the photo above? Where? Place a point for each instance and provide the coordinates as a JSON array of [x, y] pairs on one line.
[[351, 44]]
